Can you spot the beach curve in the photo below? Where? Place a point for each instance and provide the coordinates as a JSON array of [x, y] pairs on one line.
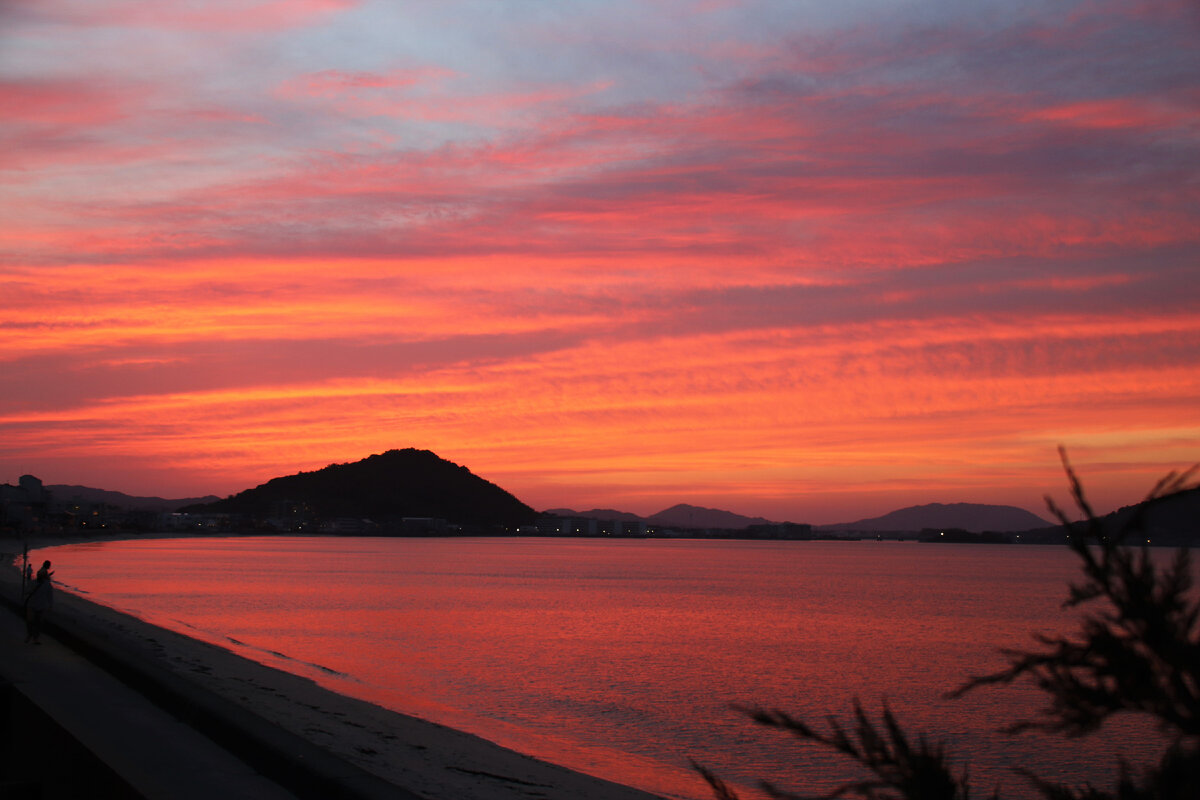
[[250, 699]]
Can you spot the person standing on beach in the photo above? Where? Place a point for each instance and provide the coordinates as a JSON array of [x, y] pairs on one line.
[[37, 603]]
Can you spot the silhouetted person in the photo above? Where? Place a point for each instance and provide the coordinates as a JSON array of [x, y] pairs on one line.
[[39, 600]]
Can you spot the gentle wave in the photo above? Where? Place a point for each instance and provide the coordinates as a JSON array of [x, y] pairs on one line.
[[623, 658]]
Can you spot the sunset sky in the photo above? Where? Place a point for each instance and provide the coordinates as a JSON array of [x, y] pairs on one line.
[[798, 259]]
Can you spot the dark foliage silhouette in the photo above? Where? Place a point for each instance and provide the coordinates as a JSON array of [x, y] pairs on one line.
[[919, 769], [1137, 651]]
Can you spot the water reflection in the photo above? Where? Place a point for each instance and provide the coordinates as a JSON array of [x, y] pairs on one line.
[[622, 658]]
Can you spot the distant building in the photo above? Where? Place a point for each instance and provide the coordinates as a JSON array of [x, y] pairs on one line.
[[423, 526], [23, 507], [617, 527], [349, 526], [581, 526], [780, 530], [566, 526], [33, 488]]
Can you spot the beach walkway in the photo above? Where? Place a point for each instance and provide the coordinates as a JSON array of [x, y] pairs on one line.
[[72, 728]]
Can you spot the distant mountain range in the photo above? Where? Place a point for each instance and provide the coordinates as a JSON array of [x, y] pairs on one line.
[[83, 495], [606, 514], [964, 516], [385, 488], [417, 483], [974, 517], [677, 516]]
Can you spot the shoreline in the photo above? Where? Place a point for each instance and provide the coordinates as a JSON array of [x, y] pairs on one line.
[[425, 758]]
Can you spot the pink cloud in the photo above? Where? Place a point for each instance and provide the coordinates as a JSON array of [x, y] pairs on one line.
[[627, 181], [212, 15], [428, 94], [48, 102], [110, 124], [340, 83], [1123, 112]]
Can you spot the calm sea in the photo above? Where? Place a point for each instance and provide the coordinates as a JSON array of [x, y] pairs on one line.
[[622, 658]]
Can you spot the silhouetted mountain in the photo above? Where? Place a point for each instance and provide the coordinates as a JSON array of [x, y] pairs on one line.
[[963, 516], [84, 495], [685, 516], [1178, 513], [607, 514], [678, 516], [385, 488], [1171, 521]]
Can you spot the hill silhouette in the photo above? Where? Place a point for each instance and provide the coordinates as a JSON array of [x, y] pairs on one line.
[[963, 516], [681, 515], [1167, 521], [687, 516], [63, 493], [609, 514], [386, 488]]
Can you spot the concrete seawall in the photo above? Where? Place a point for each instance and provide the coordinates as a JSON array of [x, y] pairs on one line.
[[81, 710], [172, 716], [41, 760]]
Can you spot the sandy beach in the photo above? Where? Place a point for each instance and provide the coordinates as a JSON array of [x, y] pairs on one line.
[[427, 759]]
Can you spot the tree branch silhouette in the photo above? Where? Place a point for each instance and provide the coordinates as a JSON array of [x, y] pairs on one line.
[[1137, 651]]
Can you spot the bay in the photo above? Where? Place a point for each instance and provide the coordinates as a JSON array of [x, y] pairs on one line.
[[626, 658]]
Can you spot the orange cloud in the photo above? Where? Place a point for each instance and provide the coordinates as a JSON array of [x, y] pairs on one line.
[[800, 270]]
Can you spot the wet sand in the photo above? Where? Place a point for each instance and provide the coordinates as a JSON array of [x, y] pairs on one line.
[[427, 759]]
